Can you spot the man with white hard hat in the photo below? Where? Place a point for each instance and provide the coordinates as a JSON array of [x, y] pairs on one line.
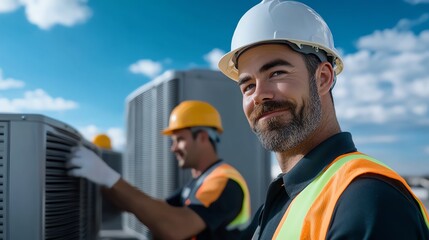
[[285, 63]]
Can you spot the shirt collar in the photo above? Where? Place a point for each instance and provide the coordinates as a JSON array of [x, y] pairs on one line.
[[315, 161]]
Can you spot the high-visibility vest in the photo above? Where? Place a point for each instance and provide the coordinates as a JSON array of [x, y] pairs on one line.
[[311, 210], [223, 172]]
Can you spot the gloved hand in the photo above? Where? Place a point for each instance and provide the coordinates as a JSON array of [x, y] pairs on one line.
[[85, 163]]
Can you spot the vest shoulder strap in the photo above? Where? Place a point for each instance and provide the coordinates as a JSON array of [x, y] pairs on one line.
[[220, 174]]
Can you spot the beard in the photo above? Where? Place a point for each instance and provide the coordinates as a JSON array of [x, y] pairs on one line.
[[279, 136]]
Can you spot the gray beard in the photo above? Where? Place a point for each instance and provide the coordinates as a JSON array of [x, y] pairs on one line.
[[281, 137]]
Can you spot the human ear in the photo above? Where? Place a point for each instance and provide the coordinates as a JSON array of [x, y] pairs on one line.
[[324, 78]]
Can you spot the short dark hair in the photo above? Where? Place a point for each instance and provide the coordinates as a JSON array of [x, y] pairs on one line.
[[196, 131], [312, 62]]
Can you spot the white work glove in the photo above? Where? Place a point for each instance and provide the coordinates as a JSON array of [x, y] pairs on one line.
[[85, 163]]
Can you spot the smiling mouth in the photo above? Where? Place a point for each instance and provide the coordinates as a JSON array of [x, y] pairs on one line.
[[269, 114], [271, 109], [179, 155]]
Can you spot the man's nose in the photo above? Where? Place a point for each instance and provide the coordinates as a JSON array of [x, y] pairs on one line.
[[262, 93], [173, 147]]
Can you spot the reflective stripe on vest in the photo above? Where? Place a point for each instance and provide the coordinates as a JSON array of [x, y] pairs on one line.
[[311, 211], [224, 170]]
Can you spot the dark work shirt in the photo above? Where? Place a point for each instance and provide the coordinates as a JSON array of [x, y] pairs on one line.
[[371, 207], [219, 214]]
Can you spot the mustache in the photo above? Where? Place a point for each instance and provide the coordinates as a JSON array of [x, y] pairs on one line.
[[270, 106]]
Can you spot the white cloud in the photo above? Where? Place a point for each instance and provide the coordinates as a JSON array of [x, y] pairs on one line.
[[89, 132], [421, 87], [116, 135], [146, 67], [405, 24], [414, 2], [213, 57], [8, 83], [386, 79], [392, 40], [118, 138], [8, 5], [426, 150], [37, 100], [47, 13]]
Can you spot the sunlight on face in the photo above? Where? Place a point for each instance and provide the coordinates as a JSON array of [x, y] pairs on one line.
[[280, 100], [183, 147]]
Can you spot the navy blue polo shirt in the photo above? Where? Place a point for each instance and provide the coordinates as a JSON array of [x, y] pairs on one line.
[[371, 207]]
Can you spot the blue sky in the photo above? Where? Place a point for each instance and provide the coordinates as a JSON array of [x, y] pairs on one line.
[[77, 61]]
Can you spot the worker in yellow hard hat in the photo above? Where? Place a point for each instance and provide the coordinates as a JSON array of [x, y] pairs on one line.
[[214, 205], [102, 141]]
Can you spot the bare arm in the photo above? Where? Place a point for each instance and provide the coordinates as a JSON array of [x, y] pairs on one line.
[[164, 221]]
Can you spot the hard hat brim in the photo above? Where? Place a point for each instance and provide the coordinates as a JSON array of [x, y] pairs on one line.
[[169, 131], [227, 66]]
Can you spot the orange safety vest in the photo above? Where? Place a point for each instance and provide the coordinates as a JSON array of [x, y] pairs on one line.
[[213, 182], [311, 210]]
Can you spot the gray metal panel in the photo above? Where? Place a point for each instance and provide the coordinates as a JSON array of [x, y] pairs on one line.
[[4, 134], [111, 215], [61, 126], [148, 164], [26, 183], [43, 202]]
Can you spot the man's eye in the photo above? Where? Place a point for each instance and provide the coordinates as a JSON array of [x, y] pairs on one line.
[[277, 73], [248, 87]]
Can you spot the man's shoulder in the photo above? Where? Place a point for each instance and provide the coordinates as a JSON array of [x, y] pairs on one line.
[[224, 170], [378, 189], [375, 205]]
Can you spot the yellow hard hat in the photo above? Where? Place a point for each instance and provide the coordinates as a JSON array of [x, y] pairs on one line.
[[102, 141], [193, 113]]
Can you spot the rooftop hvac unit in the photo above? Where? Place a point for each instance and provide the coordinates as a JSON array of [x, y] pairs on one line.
[[149, 164], [111, 217], [37, 199]]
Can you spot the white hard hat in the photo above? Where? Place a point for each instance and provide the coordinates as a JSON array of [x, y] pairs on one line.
[[289, 22]]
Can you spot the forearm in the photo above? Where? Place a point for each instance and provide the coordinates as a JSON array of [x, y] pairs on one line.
[[164, 221], [125, 196]]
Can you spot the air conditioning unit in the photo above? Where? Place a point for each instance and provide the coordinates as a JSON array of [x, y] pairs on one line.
[[148, 162], [37, 199], [111, 216]]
